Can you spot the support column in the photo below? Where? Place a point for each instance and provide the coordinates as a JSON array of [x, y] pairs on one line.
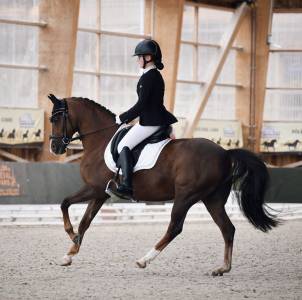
[[167, 32], [57, 44], [262, 12], [148, 17], [243, 76]]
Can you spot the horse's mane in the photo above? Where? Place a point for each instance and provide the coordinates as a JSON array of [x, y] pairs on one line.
[[95, 104]]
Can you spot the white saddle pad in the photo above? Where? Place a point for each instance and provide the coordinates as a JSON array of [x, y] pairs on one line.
[[147, 158]]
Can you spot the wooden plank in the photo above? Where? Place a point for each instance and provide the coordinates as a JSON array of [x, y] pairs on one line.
[[115, 33], [219, 5], [73, 157], [243, 74], [215, 69], [210, 45], [12, 156], [225, 84], [294, 165], [262, 11], [167, 32], [285, 50], [23, 22], [148, 17], [57, 44], [23, 67], [287, 4]]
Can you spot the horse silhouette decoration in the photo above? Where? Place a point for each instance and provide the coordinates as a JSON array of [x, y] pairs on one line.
[[187, 170], [292, 145], [269, 144]]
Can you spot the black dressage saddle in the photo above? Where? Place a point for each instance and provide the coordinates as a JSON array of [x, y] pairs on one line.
[[161, 134]]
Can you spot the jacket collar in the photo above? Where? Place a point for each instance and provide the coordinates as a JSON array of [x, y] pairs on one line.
[[148, 69]]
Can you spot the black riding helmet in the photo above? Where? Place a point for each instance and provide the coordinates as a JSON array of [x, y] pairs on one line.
[[150, 47]]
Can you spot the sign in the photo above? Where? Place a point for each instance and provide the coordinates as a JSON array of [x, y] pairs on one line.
[[21, 126], [8, 183], [281, 137], [227, 134]]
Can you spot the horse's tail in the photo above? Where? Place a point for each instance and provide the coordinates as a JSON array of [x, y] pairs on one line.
[[250, 180]]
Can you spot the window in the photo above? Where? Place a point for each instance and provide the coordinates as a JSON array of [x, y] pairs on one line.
[[283, 101], [202, 30], [105, 69], [19, 53]]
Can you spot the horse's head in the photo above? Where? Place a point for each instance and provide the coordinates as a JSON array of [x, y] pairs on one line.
[[62, 128]]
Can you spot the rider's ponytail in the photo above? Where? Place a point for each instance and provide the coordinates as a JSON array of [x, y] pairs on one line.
[[159, 65]]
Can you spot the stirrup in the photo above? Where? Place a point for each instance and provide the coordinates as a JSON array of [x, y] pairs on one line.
[[110, 192], [114, 195]]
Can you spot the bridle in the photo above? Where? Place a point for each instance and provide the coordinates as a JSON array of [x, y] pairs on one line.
[[63, 110]]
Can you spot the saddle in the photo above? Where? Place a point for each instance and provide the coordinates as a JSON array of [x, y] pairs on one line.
[[161, 134]]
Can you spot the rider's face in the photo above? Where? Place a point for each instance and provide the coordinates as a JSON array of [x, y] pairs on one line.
[[140, 60]]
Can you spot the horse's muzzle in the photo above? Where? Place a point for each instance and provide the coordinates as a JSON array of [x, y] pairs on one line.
[[57, 147]]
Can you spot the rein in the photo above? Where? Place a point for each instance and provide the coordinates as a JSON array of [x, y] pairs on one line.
[[79, 136], [65, 139]]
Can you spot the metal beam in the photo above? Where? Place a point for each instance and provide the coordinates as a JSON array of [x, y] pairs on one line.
[[215, 69]]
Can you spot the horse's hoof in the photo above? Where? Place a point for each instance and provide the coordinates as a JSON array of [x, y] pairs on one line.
[[217, 273], [141, 264], [66, 261]]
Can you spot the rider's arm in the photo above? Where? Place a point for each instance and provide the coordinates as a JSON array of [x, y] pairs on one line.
[[144, 91]]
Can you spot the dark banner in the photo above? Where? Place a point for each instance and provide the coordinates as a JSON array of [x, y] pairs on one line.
[[38, 183], [50, 183]]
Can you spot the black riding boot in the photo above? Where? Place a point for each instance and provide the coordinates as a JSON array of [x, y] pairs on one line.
[[125, 162]]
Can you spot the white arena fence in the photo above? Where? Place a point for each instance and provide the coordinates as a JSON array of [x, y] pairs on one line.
[[119, 213]]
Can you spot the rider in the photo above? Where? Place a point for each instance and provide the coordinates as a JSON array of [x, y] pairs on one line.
[[149, 108]]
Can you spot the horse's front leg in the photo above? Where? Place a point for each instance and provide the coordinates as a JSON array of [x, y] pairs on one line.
[[91, 210], [86, 193]]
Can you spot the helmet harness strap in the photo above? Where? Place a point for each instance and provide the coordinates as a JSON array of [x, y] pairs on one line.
[[146, 61]]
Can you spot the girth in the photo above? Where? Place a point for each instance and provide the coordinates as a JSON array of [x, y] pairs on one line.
[[161, 134]]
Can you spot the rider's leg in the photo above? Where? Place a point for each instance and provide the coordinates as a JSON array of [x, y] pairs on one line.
[[135, 135]]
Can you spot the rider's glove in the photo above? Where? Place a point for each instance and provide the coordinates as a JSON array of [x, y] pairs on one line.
[[117, 120]]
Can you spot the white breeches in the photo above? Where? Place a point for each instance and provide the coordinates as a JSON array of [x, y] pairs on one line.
[[136, 135]]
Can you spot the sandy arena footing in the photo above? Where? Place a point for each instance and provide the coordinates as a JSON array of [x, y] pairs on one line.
[[265, 266]]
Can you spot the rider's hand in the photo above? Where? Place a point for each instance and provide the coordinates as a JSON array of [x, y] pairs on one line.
[[117, 120]]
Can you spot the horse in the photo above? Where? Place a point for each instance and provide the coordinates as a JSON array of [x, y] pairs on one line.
[[12, 134], [25, 135], [187, 170], [271, 144], [294, 144], [37, 133]]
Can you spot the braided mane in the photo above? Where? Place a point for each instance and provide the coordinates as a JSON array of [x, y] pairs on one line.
[[97, 105]]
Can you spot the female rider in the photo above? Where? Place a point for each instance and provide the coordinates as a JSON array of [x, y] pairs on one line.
[[149, 108]]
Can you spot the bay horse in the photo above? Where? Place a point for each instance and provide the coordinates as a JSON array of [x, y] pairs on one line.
[[187, 170]]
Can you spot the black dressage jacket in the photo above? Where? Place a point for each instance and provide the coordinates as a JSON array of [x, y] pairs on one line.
[[150, 105]]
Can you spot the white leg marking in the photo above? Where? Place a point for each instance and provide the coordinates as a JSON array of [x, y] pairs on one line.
[[67, 260], [151, 255]]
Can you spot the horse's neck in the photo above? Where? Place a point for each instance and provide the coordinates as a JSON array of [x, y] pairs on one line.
[[96, 128]]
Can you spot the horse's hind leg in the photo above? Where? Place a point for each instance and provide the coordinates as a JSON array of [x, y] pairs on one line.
[[215, 206], [178, 215], [91, 210]]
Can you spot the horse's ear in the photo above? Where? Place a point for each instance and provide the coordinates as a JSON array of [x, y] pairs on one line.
[[53, 98]]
